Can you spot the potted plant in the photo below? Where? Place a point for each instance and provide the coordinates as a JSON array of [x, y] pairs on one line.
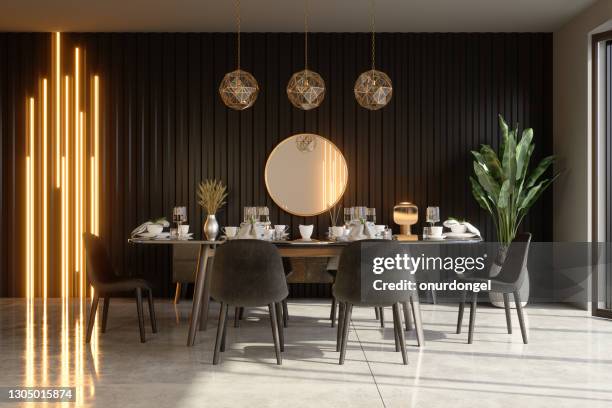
[[502, 186], [211, 196]]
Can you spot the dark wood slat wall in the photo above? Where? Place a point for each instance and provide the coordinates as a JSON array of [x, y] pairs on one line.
[[164, 127]]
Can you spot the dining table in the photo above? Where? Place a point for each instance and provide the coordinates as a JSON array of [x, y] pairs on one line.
[[290, 249]]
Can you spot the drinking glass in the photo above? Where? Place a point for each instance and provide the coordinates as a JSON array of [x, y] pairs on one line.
[[348, 216], [432, 215], [362, 213], [263, 215], [250, 214], [371, 215]]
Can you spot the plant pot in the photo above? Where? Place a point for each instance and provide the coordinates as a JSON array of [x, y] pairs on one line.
[[496, 298], [211, 228]]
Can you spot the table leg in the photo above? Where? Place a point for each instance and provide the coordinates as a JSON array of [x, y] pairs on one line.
[[197, 294], [206, 294]]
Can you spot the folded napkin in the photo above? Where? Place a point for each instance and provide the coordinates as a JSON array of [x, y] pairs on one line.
[[472, 229], [143, 227], [359, 231]]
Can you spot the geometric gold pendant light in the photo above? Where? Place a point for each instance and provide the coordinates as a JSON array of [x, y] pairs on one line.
[[373, 89], [238, 89], [306, 88]]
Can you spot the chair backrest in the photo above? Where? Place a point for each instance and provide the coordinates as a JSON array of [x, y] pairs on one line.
[[248, 272], [357, 259], [99, 267], [514, 268]]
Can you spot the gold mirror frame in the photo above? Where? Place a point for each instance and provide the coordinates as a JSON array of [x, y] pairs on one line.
[[334, 172]]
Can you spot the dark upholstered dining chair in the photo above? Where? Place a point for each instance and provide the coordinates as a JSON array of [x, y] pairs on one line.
[[348, 291], [106, 283], [249, 273], [509, 280]]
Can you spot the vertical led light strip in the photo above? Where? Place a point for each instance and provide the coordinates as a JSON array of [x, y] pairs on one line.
[[58, 114], [66, 194], [30, 219], [45, 182]]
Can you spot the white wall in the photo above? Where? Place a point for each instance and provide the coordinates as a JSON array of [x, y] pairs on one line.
[[571, 102], [571, 136]]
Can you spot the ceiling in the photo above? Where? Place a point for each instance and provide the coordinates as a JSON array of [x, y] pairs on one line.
[[288, 15]]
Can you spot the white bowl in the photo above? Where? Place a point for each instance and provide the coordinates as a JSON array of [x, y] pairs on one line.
[[458, 228], [155, 228]]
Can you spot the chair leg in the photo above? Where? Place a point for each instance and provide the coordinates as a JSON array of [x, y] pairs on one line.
[[241, 313], [333, 312], [92, 316], [279, 322], [461, 308], [274, 324], [220, 330], [341, 309], [345, 330], [236, 316], [434, 297], [407, 316], [397, 339], [177, 293], [377, 313], [415, 305], [140, 314], [381, 312], [508, 317], [152, 312], [224, 335], [472, 316], [105, 313], [519, 311], [400, 331], [285, 313]]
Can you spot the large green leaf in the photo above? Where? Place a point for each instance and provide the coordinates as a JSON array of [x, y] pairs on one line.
[[523, 153], [492, 161], [539, 170], [480, 196], [504, 194], [486, 181], [503, 126], [535, 192]]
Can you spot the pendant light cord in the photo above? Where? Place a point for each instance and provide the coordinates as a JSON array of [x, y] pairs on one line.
[[238, 30], [373, 17], [306, 34]]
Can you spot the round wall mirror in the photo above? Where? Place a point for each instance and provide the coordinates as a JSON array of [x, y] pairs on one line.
[[306, 175]]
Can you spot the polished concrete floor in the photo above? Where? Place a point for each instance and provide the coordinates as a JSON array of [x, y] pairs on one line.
[[568, 362]]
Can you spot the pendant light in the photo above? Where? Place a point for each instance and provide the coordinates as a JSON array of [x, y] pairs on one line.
[[238, 89], [373, 89], [306, 89]]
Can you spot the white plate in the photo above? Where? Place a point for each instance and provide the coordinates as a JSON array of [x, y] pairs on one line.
[[440, 238], [459, 235], [307, 242], [147, 234]]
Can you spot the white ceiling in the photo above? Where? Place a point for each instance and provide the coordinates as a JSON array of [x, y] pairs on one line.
[[287, 15]]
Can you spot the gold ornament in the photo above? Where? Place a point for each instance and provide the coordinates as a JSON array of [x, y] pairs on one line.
[[239, 89], [306, 89], [373, 89]]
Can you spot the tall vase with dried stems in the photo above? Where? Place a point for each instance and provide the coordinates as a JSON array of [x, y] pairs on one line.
[[211, 196]]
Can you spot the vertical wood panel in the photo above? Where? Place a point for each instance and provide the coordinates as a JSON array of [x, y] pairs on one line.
[[164, 127]]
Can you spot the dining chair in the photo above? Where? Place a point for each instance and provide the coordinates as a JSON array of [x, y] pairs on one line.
[[106, 283], [348, 291], [249, 273], [509, 280], [287, 270]]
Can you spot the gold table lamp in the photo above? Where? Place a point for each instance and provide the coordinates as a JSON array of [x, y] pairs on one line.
[[406, 214]]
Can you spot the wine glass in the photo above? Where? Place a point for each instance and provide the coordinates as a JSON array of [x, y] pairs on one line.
[[179, 215], [249, 214], [371, 215], [362, 213], [432, 215]]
